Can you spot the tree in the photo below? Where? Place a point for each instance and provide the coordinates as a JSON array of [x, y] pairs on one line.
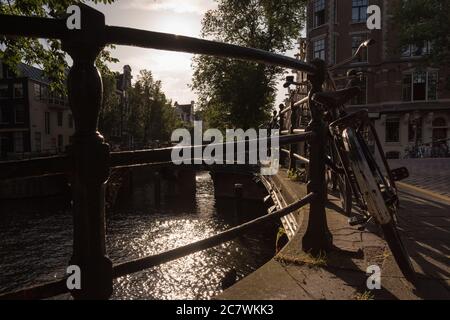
[[152, 116], [109, 115], [420, 21], [47, 54], [236, 93]]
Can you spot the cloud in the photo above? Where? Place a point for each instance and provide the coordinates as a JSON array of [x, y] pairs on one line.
[[178, 6], [173, 69]]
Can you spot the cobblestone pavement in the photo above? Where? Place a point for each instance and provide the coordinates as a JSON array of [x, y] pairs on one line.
[[428, 174], [424, 223]]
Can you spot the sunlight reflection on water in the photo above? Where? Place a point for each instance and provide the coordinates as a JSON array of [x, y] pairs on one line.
[[36, 248]]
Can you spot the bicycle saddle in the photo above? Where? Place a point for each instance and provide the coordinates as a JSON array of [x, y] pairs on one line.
[[336, 98]]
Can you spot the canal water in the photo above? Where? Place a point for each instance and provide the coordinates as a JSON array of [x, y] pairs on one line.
[[36, 243]]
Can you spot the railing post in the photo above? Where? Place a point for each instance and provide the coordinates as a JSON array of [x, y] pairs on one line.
[[90, 159], [317, 237], [281, 126], [292, 147]]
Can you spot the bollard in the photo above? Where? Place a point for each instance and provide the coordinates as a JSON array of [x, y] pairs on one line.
[[317, 237], [90, 160]]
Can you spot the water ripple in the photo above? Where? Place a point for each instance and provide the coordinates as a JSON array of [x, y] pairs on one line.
[[36, 247]]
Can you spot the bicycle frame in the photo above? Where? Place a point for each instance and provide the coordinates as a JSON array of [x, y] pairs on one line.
[[347, 130]]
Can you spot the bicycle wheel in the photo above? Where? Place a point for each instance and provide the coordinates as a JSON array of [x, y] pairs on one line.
[[398, 250], [338, 183], [345, 192], [374, 193]]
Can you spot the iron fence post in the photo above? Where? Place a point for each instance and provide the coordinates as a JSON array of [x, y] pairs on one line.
[[281, 126], [90, 156], [292, 147], [317, 237]]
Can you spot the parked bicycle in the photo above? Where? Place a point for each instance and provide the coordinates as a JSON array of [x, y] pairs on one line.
[[352, 169]]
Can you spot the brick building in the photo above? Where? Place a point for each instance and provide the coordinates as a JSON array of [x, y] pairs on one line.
[[408, 101], [33, 121]]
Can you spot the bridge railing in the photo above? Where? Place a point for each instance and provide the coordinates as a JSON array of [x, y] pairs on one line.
[[89, 160]]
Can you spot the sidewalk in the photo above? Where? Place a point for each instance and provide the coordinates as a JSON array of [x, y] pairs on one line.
[[431, 174], [291, 275]]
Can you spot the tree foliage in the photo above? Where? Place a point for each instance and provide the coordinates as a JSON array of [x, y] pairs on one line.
[[237, 93], [151, 115], [47, 54], [425, 20]]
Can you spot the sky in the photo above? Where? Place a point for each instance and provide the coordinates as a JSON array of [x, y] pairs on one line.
[[182, 17]]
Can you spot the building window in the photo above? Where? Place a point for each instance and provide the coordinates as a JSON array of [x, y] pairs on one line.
[[432, 85], [60, 118], [439, 122], [407, 87], [56, 98], [37, 91], [19, 113], [439, 135], [356, 42], [18, 142], [361, 98], [4, 117], [70, 120], [60, 142], [413, 50], [47, 122], [415, 131], [18, 90], [44, 93], [359, 10], [40, 92], [38, 141], [393, 130], [4, 91], [319, 49], [420, 86], [319, 12]]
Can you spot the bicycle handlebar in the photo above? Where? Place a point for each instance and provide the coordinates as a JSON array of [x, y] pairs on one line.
[[363, 45]]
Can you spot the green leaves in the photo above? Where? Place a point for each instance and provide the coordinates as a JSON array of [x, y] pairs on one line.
[[236, 93], [149, 115], [46, 54], [425, 20]]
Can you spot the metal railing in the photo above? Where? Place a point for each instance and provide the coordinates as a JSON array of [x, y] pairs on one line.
[[89, 160]]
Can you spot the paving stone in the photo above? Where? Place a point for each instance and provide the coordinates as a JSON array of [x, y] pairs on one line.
[[424, 225]]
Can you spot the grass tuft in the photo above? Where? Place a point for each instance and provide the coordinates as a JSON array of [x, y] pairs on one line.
[[367, 295], [304, 259]]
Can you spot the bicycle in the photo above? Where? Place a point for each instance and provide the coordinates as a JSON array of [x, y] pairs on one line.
[[356, 173], [336, 180], [378, 190]]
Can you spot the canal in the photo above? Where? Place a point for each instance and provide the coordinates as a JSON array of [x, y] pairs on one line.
[[36, 242]]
